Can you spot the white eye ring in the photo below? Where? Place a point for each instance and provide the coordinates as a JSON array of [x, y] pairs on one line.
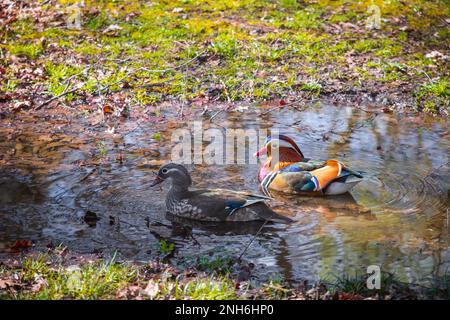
[[164, 171]]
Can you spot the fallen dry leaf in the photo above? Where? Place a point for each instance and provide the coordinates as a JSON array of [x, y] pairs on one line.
[[151, 290], [5, 284], [22, 244]]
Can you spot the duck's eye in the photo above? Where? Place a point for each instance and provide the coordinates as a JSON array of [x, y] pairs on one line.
[[164, 171]]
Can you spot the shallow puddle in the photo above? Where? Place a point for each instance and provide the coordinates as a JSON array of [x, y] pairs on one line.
[[397, 218]]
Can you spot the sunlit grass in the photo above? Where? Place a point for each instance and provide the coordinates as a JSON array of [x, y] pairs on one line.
[[287, 40], [95, 280]]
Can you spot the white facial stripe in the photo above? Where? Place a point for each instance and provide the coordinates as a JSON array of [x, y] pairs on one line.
[[172, 170], [282, 143]]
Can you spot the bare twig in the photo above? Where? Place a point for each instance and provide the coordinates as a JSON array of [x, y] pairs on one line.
[[65, 92], [111, 84], [368, 111], [279, 106], [251, 241], [153, 84], [87, 175], [79, 73], [106, 87], [421, 71], [215, 114]]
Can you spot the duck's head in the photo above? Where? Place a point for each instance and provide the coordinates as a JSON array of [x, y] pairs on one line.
[[283, 144], [280, 150], [177, 173]]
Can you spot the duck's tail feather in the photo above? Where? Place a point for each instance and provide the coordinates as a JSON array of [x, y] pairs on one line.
[[349, 172], [273, 216]]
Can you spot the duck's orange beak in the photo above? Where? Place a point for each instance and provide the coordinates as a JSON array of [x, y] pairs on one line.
[[261, 152]]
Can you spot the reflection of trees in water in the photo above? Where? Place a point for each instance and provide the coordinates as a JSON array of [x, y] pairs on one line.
[[283, 261], [410, 244]]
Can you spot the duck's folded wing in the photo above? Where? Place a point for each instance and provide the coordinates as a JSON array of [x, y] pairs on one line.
[[233, 193], [309, 165], [231, 201], [308, 176], [234, 200]]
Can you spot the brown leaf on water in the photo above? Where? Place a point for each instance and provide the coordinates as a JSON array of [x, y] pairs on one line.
[[91, 218], [107, 109], [22, 244]]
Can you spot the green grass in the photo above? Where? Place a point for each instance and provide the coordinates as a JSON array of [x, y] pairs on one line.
[[276, 288], [221, 288], [97, 280], [215, 264], [165, 247], [102, 149], [439, 88], [434, 95], [59, 274], [356, 284], [29, 50], [48, 277], [260, 49]]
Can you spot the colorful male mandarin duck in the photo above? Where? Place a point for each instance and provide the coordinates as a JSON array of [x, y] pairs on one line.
[[290, 172], [212, 204]]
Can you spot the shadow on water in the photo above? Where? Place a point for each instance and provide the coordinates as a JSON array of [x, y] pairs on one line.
[[90, 191]]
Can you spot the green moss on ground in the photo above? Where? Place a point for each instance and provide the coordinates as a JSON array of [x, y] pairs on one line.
[[232, 50]]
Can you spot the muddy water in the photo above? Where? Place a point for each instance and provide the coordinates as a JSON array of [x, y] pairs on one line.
[[397, 218]]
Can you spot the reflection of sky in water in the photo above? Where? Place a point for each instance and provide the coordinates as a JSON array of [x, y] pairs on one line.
[[395, 219]]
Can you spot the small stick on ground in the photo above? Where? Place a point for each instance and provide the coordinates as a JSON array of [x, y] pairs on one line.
[[215, 114], [225, 90]]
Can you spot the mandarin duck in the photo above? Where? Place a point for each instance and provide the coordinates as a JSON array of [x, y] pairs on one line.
[[212, 204], [290, 172]]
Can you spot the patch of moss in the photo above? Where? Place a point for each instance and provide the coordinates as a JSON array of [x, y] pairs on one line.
[[29, 50]]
